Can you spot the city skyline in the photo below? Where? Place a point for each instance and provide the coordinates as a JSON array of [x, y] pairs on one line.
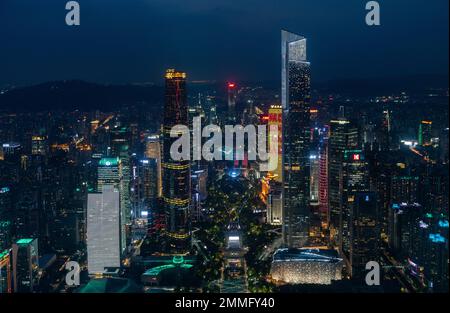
[[110, 188]]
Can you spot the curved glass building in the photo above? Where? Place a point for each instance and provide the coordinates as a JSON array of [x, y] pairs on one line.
[[306, 266]]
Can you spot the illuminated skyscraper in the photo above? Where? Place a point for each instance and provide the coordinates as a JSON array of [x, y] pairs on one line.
[[364, 233], [355, 179], [153, 151], [323, 177], [147, 188], [25, 265], [212, 110], [6, 213], [276, 118], [404, 188], [103, 230], [120, 147], [176, 173], [231, 101], [314, 178], [5, 272], [425, 133], [343, 136], [386, 140], [295, 94], [274, 204], [39, 145], [110, 172]]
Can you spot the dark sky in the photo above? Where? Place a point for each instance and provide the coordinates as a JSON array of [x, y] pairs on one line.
[[122, 41]]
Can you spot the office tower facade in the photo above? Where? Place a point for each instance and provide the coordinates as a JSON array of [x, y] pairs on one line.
[[314, 159], [11, 149], [120, 147], [403, 219], [404, 188], [355, 179], [153, 151], [211, 109], [295, 93], [323, 177], [6, 214], [5, 272], [420, 239], [110, 172], [176, 173], [386, 136], [275, 203], [25, 260], [103, 230], [39, 145], [364, 233], [425, 133], [276, 118], [147, 187], [343, 136]]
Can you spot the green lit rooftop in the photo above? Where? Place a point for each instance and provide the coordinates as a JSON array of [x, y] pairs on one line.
[[24, 241], [177, 261], [155, 271], [3, 254], [108, 162]]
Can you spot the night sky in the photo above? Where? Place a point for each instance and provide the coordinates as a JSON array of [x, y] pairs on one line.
[[122, 41]]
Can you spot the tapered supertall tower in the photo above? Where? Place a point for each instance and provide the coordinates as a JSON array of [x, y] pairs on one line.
[[295, 93], [176, 173]]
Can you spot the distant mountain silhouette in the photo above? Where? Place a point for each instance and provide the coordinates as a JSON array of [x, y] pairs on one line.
[[383, 85], [80, 95]]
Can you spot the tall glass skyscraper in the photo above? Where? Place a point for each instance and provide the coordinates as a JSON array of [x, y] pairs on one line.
[[25, 261], [176, 173], [295, 95], [343, 136], [355, 179], [111, 172], [364, 233], [103, 229]]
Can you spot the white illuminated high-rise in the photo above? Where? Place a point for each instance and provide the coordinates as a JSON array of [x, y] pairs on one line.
[[295, 100], [103, 229]]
